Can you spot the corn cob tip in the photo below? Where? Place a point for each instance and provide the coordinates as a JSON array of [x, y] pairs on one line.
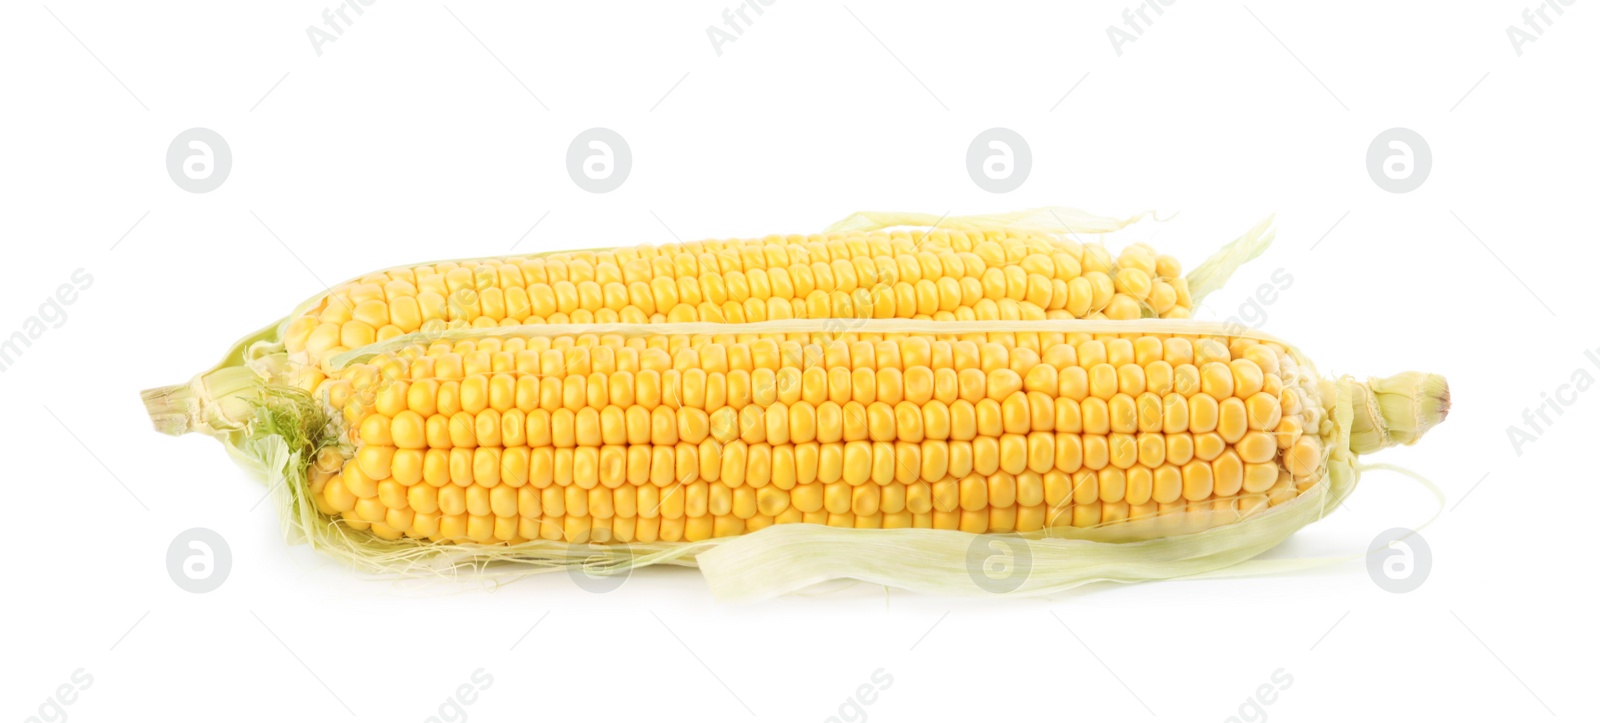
[[1397, 410], [217, 402]]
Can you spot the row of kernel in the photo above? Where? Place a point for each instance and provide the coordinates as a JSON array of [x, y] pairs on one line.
[[1064, 349], [920, 397], [565, 355], [1197, 465], [683, 353], [447, 424], [577, 527], [324, 338], [1138, 486]]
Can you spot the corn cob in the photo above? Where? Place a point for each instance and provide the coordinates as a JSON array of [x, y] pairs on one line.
[[675, 437], [946, 276], [999, 273]]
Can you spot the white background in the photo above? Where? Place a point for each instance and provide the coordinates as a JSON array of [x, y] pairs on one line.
[[410, 139]]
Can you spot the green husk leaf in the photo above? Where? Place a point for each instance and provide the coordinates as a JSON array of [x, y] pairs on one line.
[[1214, 272]]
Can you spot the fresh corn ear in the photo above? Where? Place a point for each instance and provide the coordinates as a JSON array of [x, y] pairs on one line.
[[1028, 266], [688, 437], [510, 444]]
